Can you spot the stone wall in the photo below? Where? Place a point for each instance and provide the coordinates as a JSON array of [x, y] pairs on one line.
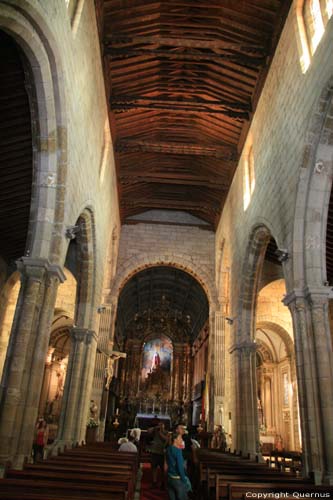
[[146, 244], [278, 132]]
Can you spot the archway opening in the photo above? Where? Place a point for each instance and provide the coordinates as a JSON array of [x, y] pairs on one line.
[[56, 362], [16, 173], [277, 400], [161, 319]]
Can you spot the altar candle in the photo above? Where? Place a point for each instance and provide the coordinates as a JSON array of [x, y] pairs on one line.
[[200, 416], [117, 411]]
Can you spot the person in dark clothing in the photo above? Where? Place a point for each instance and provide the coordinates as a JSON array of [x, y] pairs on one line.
[[157, 449]]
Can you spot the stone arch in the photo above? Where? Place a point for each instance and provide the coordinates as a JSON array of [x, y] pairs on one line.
[[245, 422], [314, 188], [29, 29], [289, 366], [137, 264], [252, 266], [86, 261], [8, 300], [281, 332]]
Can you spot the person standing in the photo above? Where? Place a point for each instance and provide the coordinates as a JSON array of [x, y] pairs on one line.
[[40, 439], [178, 482], [157, 449]]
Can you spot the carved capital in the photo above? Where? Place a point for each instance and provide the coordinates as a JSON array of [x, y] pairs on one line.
[[37, 268], [79, 334], [246, 347], [293, 297]]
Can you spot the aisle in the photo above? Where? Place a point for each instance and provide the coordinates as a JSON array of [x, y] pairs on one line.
[[147, 491]]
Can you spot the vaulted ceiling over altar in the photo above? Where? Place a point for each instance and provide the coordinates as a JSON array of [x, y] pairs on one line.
[[161, 312]]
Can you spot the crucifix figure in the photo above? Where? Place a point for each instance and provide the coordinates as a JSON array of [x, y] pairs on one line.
[[110, 366]]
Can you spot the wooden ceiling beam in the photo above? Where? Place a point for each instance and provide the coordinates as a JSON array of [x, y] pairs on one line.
[[151, 203], [123, 107], [248, 48], [221, 152], [244, 59], [175, 179], [180, 100]]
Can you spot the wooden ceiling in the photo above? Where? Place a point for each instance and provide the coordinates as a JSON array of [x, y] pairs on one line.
[[183, 80], [15, 151]]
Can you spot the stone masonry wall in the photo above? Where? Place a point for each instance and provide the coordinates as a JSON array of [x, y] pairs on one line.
[[80, 78], [191, 247], [278, 132]]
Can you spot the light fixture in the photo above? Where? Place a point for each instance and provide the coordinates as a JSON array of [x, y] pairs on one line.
[[282, 254]]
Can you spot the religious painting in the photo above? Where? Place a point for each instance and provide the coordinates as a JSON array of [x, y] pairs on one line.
[[156, 366]]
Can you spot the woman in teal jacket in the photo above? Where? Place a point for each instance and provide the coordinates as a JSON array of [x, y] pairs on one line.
[[178, 482]]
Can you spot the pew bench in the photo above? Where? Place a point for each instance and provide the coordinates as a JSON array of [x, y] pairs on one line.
[[59, 490]]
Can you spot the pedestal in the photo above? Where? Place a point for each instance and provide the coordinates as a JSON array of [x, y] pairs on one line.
[[91, 435]]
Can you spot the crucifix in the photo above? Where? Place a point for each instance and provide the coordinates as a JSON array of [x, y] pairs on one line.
[[110, 366]]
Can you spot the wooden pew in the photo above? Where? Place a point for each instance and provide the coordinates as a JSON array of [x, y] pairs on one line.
[[238, 491], [86, 473], [61, 490], [75, 477]]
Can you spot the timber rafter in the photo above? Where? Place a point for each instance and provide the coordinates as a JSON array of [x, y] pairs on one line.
[[184, 78]]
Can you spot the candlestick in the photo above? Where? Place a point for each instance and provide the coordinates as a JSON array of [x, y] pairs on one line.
[[117, 411]]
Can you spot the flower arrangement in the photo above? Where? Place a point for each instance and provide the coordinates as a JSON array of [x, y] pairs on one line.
[[92, 423]]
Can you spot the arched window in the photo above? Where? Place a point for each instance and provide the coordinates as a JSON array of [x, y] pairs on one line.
[[312, 17], [105, 150], [248, 178], [74, 8], [314, 24]]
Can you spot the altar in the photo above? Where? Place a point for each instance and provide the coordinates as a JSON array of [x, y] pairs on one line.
[[146, 420]]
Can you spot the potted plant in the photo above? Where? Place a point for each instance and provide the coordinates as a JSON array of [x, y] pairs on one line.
[[92, 430]]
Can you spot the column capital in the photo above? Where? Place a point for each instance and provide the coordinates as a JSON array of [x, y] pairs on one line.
[[79, 334], [293, 296], [247, 346], [309, 293], [38, 266]]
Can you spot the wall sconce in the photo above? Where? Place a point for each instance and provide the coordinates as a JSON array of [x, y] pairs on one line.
[[71, 232], [230, 321], [282, 254]]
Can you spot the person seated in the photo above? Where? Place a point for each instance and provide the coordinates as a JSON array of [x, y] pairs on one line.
[[136, 433], [128, 445]]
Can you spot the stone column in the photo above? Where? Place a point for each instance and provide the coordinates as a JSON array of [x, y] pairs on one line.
[[29, 340], [306, 378], [319, 303], [246, 417], [75, 406], [295, 404], [314, 362], [218, 369]]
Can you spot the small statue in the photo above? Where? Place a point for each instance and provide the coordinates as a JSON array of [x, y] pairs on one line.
[[93, 410]]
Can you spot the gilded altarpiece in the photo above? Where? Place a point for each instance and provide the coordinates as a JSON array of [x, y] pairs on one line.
[[157, 374]]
